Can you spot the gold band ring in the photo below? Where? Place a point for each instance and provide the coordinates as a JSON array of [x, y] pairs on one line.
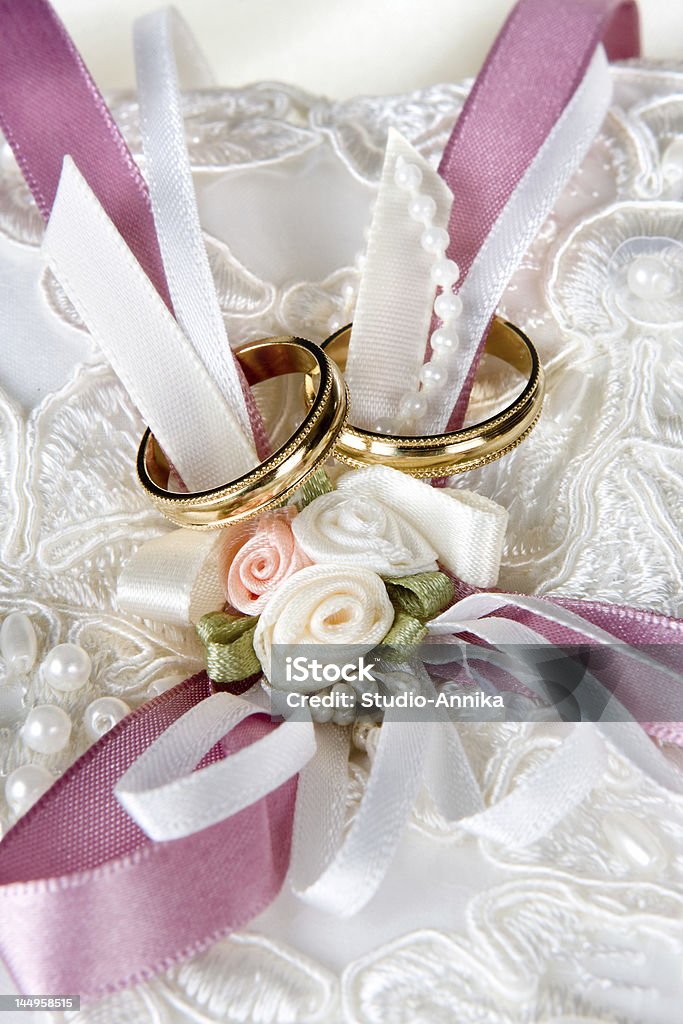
[[272, 482], [437, 455]]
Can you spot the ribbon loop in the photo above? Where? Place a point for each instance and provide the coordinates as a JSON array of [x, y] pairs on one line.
[[169, 800], [229, 644], [157, 35], [156, 363], [77, 851]]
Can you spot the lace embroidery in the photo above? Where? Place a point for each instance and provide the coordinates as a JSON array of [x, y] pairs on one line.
[[585, 924]]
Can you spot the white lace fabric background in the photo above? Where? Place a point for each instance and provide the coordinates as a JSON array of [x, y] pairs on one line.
[[585, 925]]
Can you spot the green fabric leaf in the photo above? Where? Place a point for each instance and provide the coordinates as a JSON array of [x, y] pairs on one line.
[[229, 643]]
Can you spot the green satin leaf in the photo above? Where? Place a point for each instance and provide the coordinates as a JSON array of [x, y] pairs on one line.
[[229, 644], [317, 484], [406, 632], [422, 596]]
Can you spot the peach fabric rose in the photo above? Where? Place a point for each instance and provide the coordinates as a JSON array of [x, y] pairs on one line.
[[257, 558]]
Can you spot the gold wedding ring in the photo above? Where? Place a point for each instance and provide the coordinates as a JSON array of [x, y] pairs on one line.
[[273, 481], [438, 455]]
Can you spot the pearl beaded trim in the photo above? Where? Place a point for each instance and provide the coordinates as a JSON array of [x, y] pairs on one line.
[[447, 305], [445, 273]]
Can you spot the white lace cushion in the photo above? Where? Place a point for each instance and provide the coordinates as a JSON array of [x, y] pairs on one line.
[[594, 499]]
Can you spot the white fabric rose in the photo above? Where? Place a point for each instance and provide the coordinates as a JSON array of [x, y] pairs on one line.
[[358, 529], [324, 604], [466, 530]]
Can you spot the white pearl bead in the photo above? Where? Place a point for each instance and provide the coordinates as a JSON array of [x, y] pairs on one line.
[[25, 785], [346, 713], [405, 426], [445, 273], [648, 278], [322, 715], [448, 306], [408, 176], [334, 324], [47, 729], [413, 407], [18, 643], [422, 208], [348, 293], [103, 714], [433, 377], [434, 240], [444, 342], [361, 734], [384, 425], [67, 667], [401, 682]]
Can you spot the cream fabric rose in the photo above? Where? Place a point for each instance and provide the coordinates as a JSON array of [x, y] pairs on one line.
[[356, 529], [325, 604], [257, 558]]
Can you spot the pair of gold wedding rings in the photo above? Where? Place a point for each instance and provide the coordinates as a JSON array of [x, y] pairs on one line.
[[325, 431]]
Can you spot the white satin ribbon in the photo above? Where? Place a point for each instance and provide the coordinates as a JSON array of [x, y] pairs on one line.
[[520, 220], [340, 875], [466, 529], [349, 870], [158, 37], [159, 368], [175, 579], [169, 800], [338, 871], [394, 307]]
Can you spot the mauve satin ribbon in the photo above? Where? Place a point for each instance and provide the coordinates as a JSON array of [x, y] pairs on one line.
[[50, 106], [89, 904], [652, 703], [532, 71]]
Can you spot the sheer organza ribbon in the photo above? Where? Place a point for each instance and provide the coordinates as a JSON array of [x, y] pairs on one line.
[[74, 886]]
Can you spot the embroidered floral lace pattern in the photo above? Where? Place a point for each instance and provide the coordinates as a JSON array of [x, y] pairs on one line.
[[587, 924]]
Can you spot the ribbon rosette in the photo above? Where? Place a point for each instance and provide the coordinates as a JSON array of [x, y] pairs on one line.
[[318, 576], [357, 537]]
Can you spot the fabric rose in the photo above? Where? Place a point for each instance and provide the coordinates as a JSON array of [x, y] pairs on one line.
[[354, 529], [257, 558], [324, 604]]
